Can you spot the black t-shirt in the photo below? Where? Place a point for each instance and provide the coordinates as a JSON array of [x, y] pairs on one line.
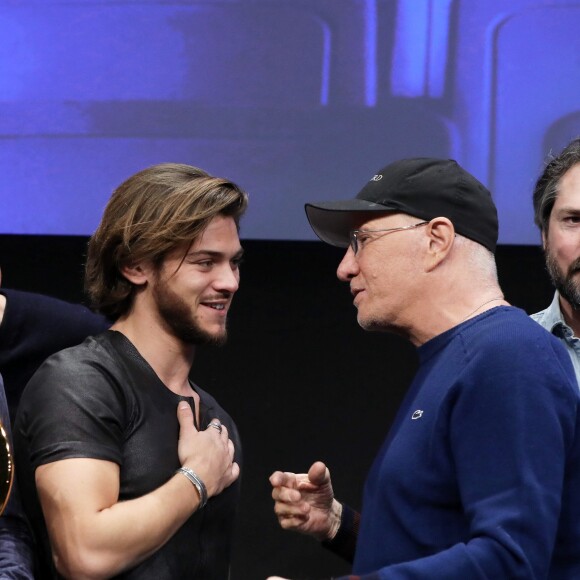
[[102, 400]]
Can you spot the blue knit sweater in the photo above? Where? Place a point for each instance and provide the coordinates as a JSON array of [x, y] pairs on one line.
[[480, 474]]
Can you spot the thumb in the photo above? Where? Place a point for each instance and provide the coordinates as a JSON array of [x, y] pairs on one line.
[[318, 474], [185, 418]]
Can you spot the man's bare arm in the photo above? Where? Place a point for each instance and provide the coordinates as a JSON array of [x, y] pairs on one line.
[[93, 535]]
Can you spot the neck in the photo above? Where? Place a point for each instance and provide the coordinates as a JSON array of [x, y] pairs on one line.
[[170, 358], [457, 287], [441, 317], [485, 305]]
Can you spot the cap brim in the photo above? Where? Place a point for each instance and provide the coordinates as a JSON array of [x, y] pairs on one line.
[[332, 221]]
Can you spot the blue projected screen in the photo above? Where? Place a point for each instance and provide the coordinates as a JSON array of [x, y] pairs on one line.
[[295, 100]]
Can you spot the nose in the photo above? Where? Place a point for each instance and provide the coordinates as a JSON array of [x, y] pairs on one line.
[[228, 279], [348, 267]]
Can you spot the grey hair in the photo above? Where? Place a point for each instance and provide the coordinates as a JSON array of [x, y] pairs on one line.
[[479, 258]]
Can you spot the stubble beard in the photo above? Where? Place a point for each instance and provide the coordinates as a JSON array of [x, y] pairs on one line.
[[371, 323], [177, 316], [565, 283]]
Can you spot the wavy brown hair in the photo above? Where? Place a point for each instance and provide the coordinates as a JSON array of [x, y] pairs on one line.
[[148, 215]]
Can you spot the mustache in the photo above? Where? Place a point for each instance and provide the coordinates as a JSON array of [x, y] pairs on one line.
[[227, 295]]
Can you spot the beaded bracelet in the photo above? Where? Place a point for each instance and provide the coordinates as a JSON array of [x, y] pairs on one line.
[[199, 485]]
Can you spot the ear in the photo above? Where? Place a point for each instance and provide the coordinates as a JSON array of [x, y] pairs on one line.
[[138, 273], [440, 237]]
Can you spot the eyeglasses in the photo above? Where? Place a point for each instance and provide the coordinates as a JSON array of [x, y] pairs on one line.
[[358, 237]]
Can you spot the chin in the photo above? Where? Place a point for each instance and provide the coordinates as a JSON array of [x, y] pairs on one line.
[[372, 324], [196, 335], [216, 332], [212, 336], [218, 337], [366, 324]]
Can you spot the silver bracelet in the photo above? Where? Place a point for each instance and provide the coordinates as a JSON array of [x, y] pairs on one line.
[[199, 485]]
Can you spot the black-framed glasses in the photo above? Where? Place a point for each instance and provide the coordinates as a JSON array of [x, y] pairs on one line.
[[358, 237]]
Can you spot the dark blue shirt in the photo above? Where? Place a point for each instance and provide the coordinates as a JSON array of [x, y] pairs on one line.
[[34, 327], [480, 473]]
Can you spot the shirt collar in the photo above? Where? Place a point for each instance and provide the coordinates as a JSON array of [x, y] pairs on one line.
[[554, 320]]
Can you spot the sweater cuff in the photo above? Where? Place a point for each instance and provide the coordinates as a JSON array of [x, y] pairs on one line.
[[344, 542]]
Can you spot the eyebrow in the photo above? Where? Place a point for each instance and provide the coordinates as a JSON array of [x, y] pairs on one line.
[[214, 254], [569, 210]]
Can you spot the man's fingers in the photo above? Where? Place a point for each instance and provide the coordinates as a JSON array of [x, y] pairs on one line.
[[318, 474], [219, 427], [277, 479], [292, 521], [291, 511], [283, 479], [185, 417], [286, 495]]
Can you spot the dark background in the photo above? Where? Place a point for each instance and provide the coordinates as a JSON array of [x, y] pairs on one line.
[[301, 379]]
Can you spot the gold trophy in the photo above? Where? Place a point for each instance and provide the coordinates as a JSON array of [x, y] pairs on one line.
[[6, 469]]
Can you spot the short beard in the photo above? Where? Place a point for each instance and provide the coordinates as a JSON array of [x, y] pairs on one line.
[[176, 314], [565, 284]]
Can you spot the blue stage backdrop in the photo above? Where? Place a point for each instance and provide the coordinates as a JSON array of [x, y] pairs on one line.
[[295, 100]]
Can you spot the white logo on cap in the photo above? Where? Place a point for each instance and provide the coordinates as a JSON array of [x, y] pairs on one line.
[[417, 414], [377, 177]]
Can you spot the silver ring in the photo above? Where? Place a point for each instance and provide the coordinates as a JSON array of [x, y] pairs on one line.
[[216, 425]]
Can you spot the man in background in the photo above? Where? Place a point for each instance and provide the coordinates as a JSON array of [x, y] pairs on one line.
[[557, 214], [118, 452], [32, 327], [479, 474]]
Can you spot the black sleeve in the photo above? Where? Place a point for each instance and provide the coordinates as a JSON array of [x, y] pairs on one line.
[[91, 399], [344, 543]]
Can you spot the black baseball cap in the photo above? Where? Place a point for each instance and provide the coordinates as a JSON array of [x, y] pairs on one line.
[[422, 187]]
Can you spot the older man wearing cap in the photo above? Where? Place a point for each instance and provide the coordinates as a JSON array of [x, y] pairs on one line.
[[479, 475]]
